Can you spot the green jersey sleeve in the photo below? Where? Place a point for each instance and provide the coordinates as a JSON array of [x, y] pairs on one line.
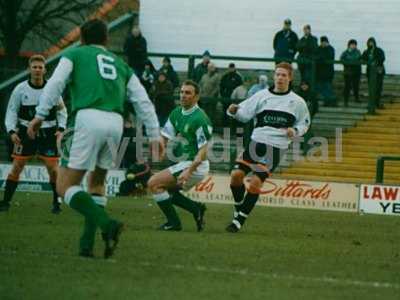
[[203, 134]]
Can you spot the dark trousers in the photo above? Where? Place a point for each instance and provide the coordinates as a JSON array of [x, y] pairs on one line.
[[351, 82], [305, 72], [379, 88]]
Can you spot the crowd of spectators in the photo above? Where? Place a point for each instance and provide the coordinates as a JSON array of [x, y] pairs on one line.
[[286, 45], [230, 86]]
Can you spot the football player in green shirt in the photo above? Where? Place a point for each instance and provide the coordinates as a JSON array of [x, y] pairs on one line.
[[99, 84], [190, 127]]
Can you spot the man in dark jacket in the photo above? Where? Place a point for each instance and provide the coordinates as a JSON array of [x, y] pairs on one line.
[[351, 58], [135, 48], [202, 68], [310, 98], [163, 97], [229, 82], [325, 56], [285, 42], [375, 57], [168, 69], [306, 47]]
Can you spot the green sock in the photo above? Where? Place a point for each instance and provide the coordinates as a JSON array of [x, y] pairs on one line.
[[84, 204], [89, 234], [184, 202], [169, 211]]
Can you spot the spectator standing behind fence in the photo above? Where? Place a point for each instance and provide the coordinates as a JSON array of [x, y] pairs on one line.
[[229, 81], [168, 69], [261, 85], [306, 47], [285, 42], [352, 71], [325, 71], [148, 75], [240, 92], [310, 98], [202, 68], [375, 56], [209, 90], [135, 48], [163, 97]]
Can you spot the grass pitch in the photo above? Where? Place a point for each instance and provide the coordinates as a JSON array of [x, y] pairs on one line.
[[280, 254]]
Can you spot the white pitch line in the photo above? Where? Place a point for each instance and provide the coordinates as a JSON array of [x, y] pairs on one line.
[[241, 272], [246, 272]]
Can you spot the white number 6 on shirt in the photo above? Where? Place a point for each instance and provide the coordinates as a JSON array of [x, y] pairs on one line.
[[106, 68]]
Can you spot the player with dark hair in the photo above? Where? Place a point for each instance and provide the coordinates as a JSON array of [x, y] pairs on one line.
[[20, 111], [99, 82], [280, 115], [190, 127]]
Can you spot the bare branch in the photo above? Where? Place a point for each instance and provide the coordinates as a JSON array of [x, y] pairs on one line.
[[45, 18]]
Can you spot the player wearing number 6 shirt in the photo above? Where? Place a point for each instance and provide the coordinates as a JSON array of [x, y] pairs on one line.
[[99, 84], [280, 115]]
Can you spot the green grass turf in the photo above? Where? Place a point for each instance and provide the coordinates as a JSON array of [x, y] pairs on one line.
[[280, 254]]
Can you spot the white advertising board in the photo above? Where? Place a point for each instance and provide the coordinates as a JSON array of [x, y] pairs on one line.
[[35, 178], [380, 199], [284, 193]]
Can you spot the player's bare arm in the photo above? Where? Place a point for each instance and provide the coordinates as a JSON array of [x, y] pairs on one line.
[[200, 157]]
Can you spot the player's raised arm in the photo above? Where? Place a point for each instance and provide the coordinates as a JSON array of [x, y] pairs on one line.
[[246, 110]]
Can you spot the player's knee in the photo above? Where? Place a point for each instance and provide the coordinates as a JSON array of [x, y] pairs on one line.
[[255, 185], [152, 184], [60, 188], [237, 177], [155, 185], [18, 166], [96, 181], [52, 175], [97, 189]]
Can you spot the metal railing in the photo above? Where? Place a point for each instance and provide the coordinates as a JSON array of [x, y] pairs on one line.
[[380, 166]]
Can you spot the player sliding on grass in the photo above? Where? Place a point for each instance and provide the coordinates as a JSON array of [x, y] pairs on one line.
[[20, 110], [190, 124], [99, 84], [280, 116]]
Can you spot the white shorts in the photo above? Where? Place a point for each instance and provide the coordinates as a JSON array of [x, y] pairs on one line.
[[197, 176], [92, 141]]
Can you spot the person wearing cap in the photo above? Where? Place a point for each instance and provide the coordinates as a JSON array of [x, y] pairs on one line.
[[352, 71], [229, 81], [307, 47], [202, 68], [168, 69], [285, 42], [325, 71]]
